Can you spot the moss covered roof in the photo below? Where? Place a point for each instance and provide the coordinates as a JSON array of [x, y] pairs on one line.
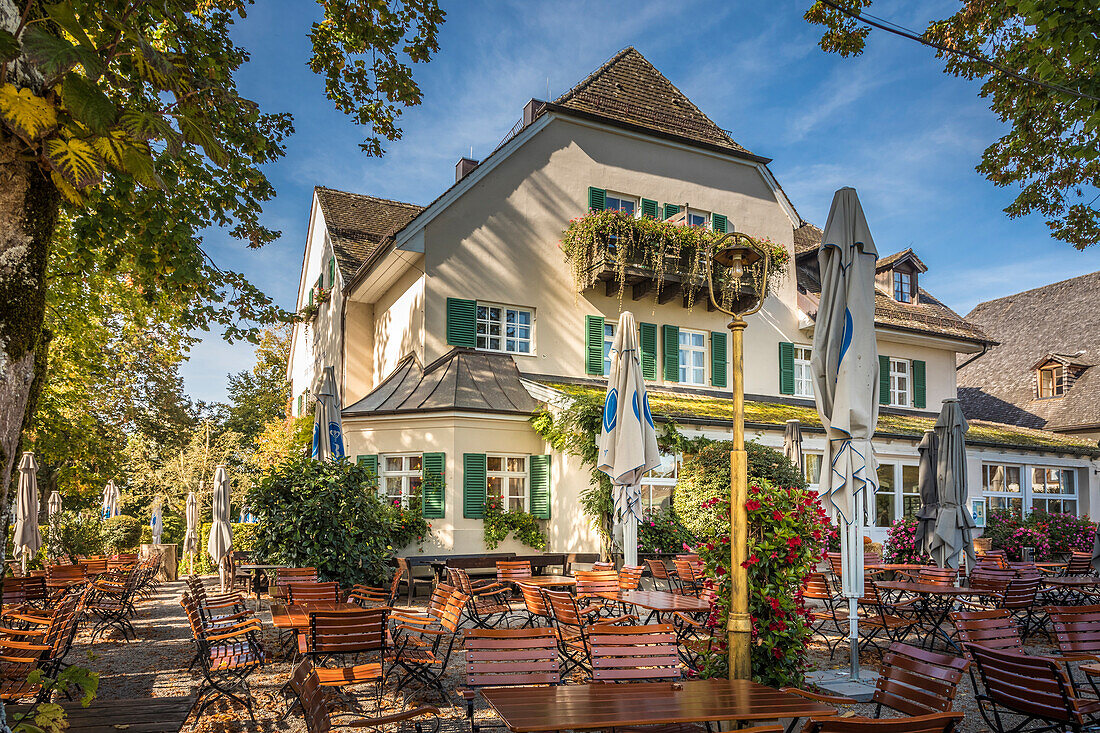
[[689, 408]]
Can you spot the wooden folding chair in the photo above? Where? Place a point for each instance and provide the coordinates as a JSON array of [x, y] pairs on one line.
[[488, 600], [291, 575], [227, 656], [934, 723], [825, 616], [312, 592], [424, 651], [630, 576], [1076, 631], [690, 574], [534, 602], [634, 653], [572, 623], [659, 571], [590, 583], [1080, 563], [513, 657], [366, 595], [513, 570]]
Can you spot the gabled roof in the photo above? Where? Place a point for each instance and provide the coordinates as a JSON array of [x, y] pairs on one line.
[[1055, 320], [461, 379], [906, 255], [357, 223], [1076, 359], [628, 89], [807, 238]]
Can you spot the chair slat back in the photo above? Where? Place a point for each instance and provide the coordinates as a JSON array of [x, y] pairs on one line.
[[657, 569], [460, 579], [283, 576], [1021, 593], [440, 595], [66, 573], [994, 629], [989, 579], [815, 587], [938, 576], [603, 566], [63, 623], [96, 564], [934, 723], [634, 653], [688, 572], [26, 589], [513, 569], [312, 592], [512, 657], [997, 558], [918, 682], [1030, 685], [451, 616], [1080, 563], [563, 607], [191, 609], [352, 632], [314, 702], [590, 582], [835, 563], [1076, 628], [630, 577], [1026, 569], [534, 600]]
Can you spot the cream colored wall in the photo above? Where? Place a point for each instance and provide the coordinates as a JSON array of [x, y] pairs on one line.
[[458, 434], [399, 323], [359, 374], [939, 368]]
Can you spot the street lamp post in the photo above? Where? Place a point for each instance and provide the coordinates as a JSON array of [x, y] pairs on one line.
[[739, 255]]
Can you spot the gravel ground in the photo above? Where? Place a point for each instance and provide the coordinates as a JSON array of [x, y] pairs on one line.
[[155, 665]]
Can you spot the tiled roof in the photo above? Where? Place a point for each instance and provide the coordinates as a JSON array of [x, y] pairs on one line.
[[462, 379], [807, 238], [927, 315], [1059, 319], [357, 224], [888, 261], [761, 414], [630, 90]]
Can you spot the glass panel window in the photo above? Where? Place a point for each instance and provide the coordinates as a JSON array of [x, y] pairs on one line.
[[500, 328], [885, 499], [697, 218], [658, 484], [910, 491], [1052, 381], [811, 465], [1053, 490], [608, 342], [507, 481], [619, 202], [400, 479], [803, 377], [693, 357], [1001, 487], [900, 383], [903, 287]]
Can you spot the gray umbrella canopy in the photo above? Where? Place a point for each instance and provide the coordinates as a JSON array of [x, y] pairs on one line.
[[191, 537], [53, 506], [792, 445], [221, 534], [25, 537], [929, 494], [110, 500], [954, 526]]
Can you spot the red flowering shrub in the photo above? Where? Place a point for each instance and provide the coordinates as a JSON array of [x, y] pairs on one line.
[[901, 544], [788, 531]]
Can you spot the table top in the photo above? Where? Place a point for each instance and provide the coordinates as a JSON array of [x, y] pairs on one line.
[[284, 616], [545, 581], [931, 588], [1073, 581], [893, 566], [258, 567], [604, 706], [147, 714], [659, 600]]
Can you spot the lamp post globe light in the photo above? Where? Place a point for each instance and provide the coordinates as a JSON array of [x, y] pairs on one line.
[[740, 293]]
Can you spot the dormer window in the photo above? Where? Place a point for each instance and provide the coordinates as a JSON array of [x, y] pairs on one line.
[[1052, 381], [903, 287]]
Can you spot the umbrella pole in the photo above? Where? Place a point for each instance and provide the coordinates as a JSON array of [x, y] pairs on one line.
[[630, 540]]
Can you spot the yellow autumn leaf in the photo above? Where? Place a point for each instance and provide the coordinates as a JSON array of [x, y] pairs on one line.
[[71, 194], [28, 115], [75, 160], [112, 146]]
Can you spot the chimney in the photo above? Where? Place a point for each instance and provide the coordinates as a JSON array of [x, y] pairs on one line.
[[464, 167], [531, 111]]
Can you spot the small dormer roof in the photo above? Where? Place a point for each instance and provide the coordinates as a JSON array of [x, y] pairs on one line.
[[1075, 359], [906, 255]]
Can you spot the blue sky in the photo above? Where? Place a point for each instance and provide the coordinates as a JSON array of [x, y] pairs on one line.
[[889, 123]]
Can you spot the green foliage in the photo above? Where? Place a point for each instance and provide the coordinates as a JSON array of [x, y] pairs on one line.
[[260, 395], [120, 534], [408, 525], [79, 533], [325, 515], [50, 717], [619, 239], [705, 476], [786, 541], [663, 532], [498, 524], [1050, 151], [244, 540]]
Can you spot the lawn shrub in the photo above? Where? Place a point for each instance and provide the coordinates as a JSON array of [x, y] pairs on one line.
[[663, 532], [120, 534]]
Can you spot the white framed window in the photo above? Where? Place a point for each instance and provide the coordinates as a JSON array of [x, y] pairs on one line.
[[658, 484], [507, 481], [811, 468], [1002, 488], [608, 342], [898, 494], [505, 328], [901, 383], [621, 202], [693, 357], [1052, 381], [697, 218], [803, 377], [903, 287], [1053, 490], [401, 476]]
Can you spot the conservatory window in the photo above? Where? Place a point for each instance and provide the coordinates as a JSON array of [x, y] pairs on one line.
[[507, 481], [1053, 490], [658, 484], [1001, 487], [401, 477]]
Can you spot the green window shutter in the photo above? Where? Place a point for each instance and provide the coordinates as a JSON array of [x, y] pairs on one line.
[[474, 485], [883, 380], [671, 210], [647, 339], [649, 208], [718, 222], [332, 272], [539, 468], [920, 392], [433, 487], [300, 401], [670, 335], [718, 359], [593, 345], [462, 322], [370, 461], [310, 301], [786, 368], [597, 198]]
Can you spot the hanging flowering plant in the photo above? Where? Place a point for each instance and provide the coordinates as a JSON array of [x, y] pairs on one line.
[[618, 240], [901, 543]]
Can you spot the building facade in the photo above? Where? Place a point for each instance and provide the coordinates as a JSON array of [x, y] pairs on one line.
[[450, 324]]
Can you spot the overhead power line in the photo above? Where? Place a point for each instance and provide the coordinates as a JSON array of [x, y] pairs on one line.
[[920, 38]]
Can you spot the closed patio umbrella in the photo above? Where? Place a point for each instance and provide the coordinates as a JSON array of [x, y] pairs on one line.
[[328, 430], [156, 520], [929, 494], [792, 445], [110, 500], [25, 536], [191, 537], [954, 533], [844, 364], [53, 506], [628, 439], [221, 534]]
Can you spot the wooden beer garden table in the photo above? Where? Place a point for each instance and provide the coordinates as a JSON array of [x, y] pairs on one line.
[[143, 715], [938, 600], [546, 581], [604, 707], [1069, 589], [296, 616]]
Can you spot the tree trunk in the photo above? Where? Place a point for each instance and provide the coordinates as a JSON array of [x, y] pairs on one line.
[[29, 205]]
